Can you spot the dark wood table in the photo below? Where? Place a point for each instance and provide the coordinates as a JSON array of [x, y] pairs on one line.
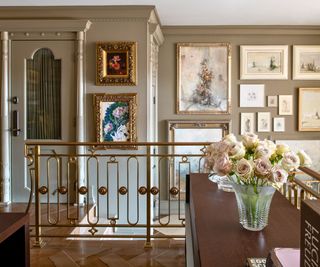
[[219, 240], [14, 239]]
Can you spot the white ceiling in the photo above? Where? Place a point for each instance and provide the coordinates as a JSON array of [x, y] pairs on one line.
[[210, 12]]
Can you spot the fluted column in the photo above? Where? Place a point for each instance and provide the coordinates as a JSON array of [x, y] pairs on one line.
[[5, 196], [80, 110]]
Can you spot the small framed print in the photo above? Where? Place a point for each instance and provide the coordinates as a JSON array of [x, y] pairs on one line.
[[252, 95], [278, 124], [285, 105], [116, 63], [306, 62], [272, 101], [267, 62], [247, 123], [264, 122], [309, 109]]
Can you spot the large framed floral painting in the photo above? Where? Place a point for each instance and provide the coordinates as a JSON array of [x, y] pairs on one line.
[[115, 116], [203, 78], [116, 63]]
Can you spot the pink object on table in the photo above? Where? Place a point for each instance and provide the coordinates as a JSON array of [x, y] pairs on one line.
[[288, 257]]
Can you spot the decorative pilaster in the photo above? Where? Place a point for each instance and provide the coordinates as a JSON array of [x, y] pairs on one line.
[[5, 196], [80, 110]]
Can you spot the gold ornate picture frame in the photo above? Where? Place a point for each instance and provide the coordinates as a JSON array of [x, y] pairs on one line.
[[203, 78], [115, 117], [116, 63]]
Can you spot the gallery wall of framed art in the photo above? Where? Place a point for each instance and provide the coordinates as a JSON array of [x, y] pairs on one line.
[[262, 66]]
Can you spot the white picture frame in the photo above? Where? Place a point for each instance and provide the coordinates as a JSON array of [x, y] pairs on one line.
[[272, 101], [247, 122], [264, 122], [306, 62], [309, 110], [263, 62], [279, 124], [252, 95], [285, 106]]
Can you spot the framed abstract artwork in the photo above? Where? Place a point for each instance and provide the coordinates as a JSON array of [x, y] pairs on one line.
[[285, 104], [247, 123], [309, 109], [306, 62], [252, 95], [116, 63], [264, 122], [115, 116], [203, 78], [192, 131], [267, 62]]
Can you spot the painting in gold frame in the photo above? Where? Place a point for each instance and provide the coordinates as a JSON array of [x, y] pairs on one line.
[[115, 117], [116, 63], [309, 109], [203, 78]]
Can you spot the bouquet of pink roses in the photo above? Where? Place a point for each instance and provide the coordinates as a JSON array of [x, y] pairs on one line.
[[252, 161]]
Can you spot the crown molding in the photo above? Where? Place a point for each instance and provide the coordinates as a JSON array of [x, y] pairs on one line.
[[242, 30]]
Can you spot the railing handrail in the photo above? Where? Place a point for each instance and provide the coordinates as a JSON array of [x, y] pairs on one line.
[[311, 172], [102, 144]]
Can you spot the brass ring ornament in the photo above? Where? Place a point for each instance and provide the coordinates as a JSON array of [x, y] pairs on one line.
[[174, 191], [123, 190], [102, 190], [113, 222], [83, 190], [62, 190], [154, 190], [43, 190], [142, 190]]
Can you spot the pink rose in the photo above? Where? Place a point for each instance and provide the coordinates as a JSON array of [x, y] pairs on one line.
[[262, 167], [290, 161], [222, 165], [279, 175]]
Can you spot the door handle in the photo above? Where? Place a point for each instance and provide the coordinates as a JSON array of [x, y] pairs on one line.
[[15, 123]]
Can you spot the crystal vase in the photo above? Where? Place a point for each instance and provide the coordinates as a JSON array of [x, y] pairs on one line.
[[253, 205]]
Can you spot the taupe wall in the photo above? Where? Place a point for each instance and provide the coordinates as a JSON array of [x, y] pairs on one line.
[[113, 23], [236, 36]]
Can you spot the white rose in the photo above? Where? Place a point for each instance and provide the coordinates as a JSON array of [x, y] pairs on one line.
[[222, 165], [305, 160], [237, 151], [279, 175], [230, 138], [262, 167], [282, 148], [222, 147], [263, 152], [250, 140], [270, 145], [244, 168], [290, 161]]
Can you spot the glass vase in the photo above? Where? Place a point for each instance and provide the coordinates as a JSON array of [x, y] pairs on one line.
[[253, 205]]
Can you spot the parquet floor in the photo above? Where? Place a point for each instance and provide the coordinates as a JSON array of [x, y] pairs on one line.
[[61, 252], [113, 253]]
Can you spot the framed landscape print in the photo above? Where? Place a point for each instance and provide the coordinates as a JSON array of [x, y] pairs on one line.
[[309, 109], [203, 78], [252, 95], [278, 124], [267, 62], [192, 131], [306, 62], [247, 123], [285, 105], [264, 122], [116, 63], [115, 116]]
